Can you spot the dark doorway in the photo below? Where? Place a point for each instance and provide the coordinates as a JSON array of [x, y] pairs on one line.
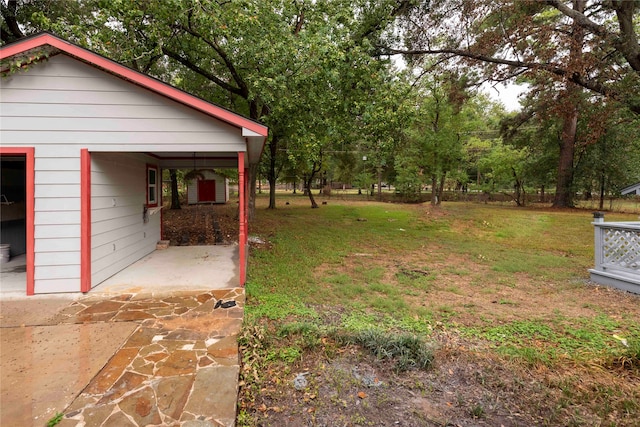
[[13, 197]]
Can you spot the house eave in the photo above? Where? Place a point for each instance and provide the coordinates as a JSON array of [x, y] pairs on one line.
[[64, 47]]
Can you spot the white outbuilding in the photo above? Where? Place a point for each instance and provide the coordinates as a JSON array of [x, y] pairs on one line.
[[84, 141]]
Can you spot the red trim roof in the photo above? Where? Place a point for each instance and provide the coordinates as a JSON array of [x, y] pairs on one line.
[[131, 75]]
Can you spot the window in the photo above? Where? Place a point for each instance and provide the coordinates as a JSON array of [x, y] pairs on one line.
[[152, 186]]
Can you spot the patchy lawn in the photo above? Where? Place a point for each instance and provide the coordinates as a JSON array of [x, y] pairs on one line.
[[498, 295], [363, 313]]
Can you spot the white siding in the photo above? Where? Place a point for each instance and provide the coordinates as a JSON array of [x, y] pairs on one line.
[[192, 192], [64, 101], [119, 235], [57, 219]]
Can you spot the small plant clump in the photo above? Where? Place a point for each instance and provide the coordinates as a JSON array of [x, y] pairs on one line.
[[630, 357], [407, 350], [55, 420]]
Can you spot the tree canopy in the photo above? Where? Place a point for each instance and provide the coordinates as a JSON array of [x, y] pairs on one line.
[[321, 76]]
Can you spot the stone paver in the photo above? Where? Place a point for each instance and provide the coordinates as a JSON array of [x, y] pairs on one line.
[[179, 366]]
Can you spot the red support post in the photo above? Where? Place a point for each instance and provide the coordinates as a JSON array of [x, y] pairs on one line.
[[242, 238], [246, 207], [85, 220], [30, 222]]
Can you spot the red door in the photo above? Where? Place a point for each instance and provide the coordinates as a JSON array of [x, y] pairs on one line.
[[206, 190]]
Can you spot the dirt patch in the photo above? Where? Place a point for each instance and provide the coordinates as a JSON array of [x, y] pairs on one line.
[[457, 284], [201, 224], [344, 386]]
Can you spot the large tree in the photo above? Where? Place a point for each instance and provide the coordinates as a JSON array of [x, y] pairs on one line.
[[566, 46], [295, 65]]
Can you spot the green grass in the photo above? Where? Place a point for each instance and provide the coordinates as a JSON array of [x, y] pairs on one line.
[[464, 270], [580, 339], [363, 261]]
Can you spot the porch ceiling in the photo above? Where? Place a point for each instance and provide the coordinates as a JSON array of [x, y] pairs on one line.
[[198, 160]]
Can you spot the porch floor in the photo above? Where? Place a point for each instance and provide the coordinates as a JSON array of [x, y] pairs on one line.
[[154, 344], [122, 360], [189, 268]]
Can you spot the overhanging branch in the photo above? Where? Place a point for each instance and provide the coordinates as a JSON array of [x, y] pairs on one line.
[[572, 77], [204, 73]]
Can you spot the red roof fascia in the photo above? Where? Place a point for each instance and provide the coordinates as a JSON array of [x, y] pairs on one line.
[[133, 76]]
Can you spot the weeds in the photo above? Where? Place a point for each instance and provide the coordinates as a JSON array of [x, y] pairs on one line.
[[55, 420], [477, 411], [407, 351]]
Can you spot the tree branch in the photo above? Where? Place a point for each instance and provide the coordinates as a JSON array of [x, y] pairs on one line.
[[9, 15], [193, 67], [579, 18], [242, 86], [626, 42], [573, 77]]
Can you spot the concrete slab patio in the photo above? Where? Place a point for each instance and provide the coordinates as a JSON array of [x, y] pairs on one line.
[[162, 271], [129, 359], [178, 268]]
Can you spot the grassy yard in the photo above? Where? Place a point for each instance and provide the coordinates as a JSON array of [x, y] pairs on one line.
[[466, 313]]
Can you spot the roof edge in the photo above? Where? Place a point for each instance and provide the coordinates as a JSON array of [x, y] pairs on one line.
[[143, 80]]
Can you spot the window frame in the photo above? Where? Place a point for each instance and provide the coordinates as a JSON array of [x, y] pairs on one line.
[[152, 188]]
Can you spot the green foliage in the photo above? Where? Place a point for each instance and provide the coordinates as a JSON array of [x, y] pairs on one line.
[[55, 420], [278, 306], [284, 354], [407, 351], [580, 339], [310, 333], [20, 63], [433, 145]]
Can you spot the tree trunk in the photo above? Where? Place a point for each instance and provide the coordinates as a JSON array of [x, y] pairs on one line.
[[175, 196], [564, 183], [307, 185], [253, 176], [379, 184], [602, 182], [272, 175], [518, 189], [434, 190], [441, 188]]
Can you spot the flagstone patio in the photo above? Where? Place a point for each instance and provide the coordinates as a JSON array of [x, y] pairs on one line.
[[178, 364]]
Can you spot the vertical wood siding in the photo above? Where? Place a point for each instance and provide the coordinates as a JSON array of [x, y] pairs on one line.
[[119, 235]]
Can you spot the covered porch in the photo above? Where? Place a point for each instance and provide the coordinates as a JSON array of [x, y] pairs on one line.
[[91, 145]]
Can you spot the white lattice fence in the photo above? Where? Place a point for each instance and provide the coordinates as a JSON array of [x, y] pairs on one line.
[[617, 254], [621, 248]]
